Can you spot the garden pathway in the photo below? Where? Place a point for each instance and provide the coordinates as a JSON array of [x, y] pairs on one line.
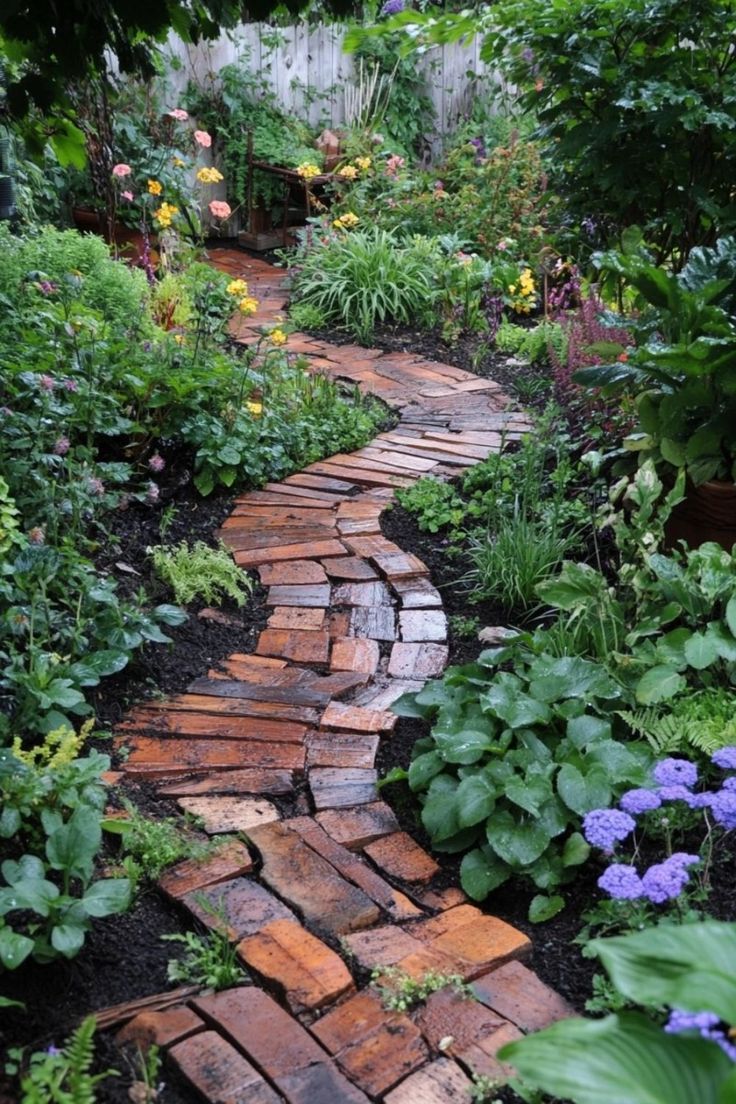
[[280, 745]]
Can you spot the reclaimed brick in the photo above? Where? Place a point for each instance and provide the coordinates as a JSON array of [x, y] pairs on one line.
[[219, 1072], [416, 592], [354, 828], [300, 646], [441, 1082], [351, 654], [479, 942], [320, 1084], [399, 856], [296, 617], [355, 869], [341, 749], [303, 969], [299, 551], [417, 660], [423, 625], [319, 483], [223, 726], [317, 596], [361, 594], [481, 1057], [262, 539], [382, 946], [161, 1029], [449, 1014], [515, 992], [399, 565], [374, 622], [382, 695], [374, 1047], [229, 861], [229, 813], [309, 883], [237, 908], [349, 567], [292, 573], [151, 757], [337, 715], [337, 787]]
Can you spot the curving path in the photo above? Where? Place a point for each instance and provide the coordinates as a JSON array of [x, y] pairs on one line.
[[280, 745]]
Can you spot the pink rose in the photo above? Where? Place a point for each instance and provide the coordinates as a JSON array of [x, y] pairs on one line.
[[121, 170], [203, 138], [128, 196], [179, 114], [220, 209]]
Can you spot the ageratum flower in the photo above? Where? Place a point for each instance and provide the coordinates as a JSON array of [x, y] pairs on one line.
[[666, 880], [393, 7], [621, 882], [723, 805], [639, 801], [605, 828], [676, 772], [725, 758]]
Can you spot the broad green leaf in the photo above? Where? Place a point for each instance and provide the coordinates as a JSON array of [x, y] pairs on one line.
[[424, 768], [731, 615], [518, 841], [475, 799], [73, 846], [543, 908], [465, 746], [528, 793], [67, 939], [659, 684], [576, 850], [107, 896], [481, 872], [585, 730], [685, 966], [14, 948], [701, 650], [621, 1059]]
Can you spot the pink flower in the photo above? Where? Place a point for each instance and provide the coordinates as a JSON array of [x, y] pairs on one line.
[[394, 163], [62, 446], [121, 170], [156, 463], [179, 114], [203, 138], [46, 383], [70, 385], [220, 209], [152, 493], [502, 245], [128, 196], [95, 486]]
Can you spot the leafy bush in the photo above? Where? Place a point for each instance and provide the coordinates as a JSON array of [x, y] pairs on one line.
[[364, 277], [702, 720], [434, 504], [514, 761], [52, 815], [532, 344], [630, 1055], [151, 845], [201, 572]]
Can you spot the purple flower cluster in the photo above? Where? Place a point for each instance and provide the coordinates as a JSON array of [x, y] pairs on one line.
[[393, 7], [725, 758], [707, 1024], [640, 801], [676, 772], [605, 828], [666, 880]]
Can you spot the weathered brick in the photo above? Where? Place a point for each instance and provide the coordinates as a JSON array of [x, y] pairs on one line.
[[342, 749], [354, 828], [337, 715], [302, 646], [426, 624], [417, 660], [352, 654], [228, 812], [301, 967], [441, 1082], [477, 941], [516, 992], [334, 787], [238, 907], [401, 857], [219, 1073], [229, 861], [161, 1029]]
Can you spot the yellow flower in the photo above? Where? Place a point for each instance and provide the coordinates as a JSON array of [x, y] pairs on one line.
[[278, 337], [165, 213], [237, 287], [179, 339], [155, 187], [348, 172], [209, 176], [512, 289], [308, 171], [346, 221], [363, 163], [178, 163], [248, 305], [255, 408]]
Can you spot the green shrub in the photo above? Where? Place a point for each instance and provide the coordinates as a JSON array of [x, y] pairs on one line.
[[364, 277], [531, 344], [433, 503], [198, 571]]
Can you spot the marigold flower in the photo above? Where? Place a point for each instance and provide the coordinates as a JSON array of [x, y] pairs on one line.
[[155, 187], [220, 209], [346, 221], [308, 171], [248, 305], [179, 114], [209, 176], [203, 139], [363, 163], [121, 170], [348, 172], [278, 337], [237, 287], [255, 408]]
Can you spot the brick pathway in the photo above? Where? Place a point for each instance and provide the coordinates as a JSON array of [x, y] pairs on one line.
[[280, 746]]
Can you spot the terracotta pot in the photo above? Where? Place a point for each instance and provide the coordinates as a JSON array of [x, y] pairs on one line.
[[707, 513], [87, 219]]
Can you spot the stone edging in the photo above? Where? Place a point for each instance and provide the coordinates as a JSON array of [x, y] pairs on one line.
[[332, 887]]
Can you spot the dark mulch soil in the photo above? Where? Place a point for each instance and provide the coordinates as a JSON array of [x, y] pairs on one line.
[[123, 958], [198, 644]]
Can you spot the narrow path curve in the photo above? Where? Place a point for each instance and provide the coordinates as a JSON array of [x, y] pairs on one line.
[[280, 745]]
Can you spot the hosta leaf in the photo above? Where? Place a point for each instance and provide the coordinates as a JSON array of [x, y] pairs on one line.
[[543, 908], [517, 841], [481, 872], [659, 684]]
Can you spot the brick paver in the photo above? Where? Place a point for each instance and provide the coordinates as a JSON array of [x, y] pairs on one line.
[[279, 748]]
